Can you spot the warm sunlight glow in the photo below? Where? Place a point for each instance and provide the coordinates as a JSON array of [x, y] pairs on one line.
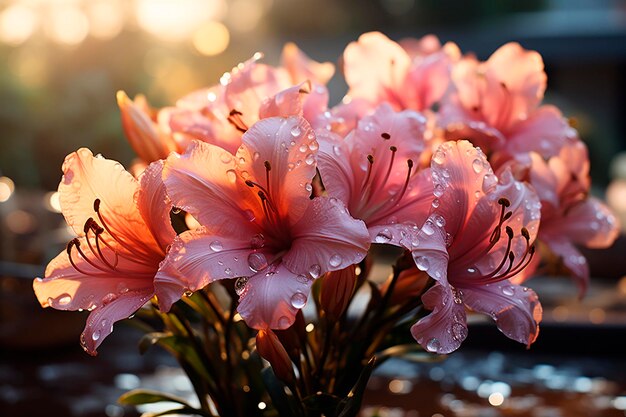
[[17, 24], [106, 19], [67, 25], [211, 39], [175, 20], [6, 188]]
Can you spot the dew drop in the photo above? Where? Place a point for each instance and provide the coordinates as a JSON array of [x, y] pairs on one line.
[[257, 261], [439, 157], [283, 322], [176, 210], [256, 156], [96, 335], [226, 158], [384, 236], [64, 300], [228, 271], [440, 221], [422, 263], [240, 285], [438, 190], [337, 150], [335, 260], [291, 166], [188, 293], [298, 300], [471, 270], [435, 203], [433, 345], [231, 175], [459, 332], [257, 241], [309, 159], [308, 187], [296, 131], [489, 182], [315, 270], [477, 165], [216, 246], [302, 279], [313, 146], [122, 288], [428, 228], [508, 290]]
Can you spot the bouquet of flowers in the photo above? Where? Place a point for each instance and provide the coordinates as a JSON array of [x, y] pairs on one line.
[[241, 239]]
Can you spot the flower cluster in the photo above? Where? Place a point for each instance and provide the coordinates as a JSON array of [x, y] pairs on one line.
[[453, 160]]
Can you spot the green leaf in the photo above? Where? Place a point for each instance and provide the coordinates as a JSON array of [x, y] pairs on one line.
[[151, 339], [351, 405], [322, 403], [144, 396], [283, 403], [183, 411]]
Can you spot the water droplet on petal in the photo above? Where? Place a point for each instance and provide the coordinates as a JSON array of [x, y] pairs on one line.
[[64, 299], [96, 335], [240, 285], [176, 210], [188, 293], [438, 190], [308, 187], [335, 260], [337, 150], [298, 300], [477, 165], [489, 182], [459, 332], [433, 345], [256, 156], [231, 175], [435, 203], [296, 131], [122, 288], [314, 145], [283, 322], [257, 241], [422, 263], [226, 158], [384, 236], [508, 290], [310, 159], [216, 246], [315, 270], [428, 228], [228, 271], [440, 221], [257, 261], [303, 279]]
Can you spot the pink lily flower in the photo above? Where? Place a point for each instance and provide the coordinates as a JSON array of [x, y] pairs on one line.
[[495, 104], [486, 228], [378, 69], [123, 230], [221, 113], [374, 172], [259, 224], [569, 215]]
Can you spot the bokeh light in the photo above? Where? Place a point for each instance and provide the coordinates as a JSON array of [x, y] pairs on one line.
[[6, 188], [175, 20], [17, 24], [212, 38], [67, 25], [106, 18]]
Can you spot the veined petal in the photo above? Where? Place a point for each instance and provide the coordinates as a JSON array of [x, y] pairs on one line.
[[591, 223], [285, 103], [572, 259], [301, 67], [65, 288], [154, 205], [198, 257], [86, 179], [101, 320], [271, 299], [544, 131], [290, 147], [204, 182], [326, 238], [374, 65], [516, 310], [444, 329]]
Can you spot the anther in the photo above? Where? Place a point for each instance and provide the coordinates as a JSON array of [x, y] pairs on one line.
[[249, 183], [385, 135], [525, 233], [96, 205], [503, 85], [393, 149], [509, 232], [268, 166], [505, 202], [370, 159]]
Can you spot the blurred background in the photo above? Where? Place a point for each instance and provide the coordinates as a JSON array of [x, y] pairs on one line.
[[63, 61]]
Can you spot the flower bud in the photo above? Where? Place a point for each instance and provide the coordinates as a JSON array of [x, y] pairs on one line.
[[409, 285], [336, 292], [140, 130], [270, 349]]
